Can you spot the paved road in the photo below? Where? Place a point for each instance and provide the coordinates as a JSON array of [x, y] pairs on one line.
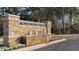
[[69, 45]]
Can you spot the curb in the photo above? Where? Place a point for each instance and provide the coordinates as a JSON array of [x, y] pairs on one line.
[[39, 45]]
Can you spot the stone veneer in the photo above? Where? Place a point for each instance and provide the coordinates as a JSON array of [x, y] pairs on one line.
[[33, 32]]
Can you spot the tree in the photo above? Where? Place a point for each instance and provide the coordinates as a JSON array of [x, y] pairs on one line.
[[47, 13], [72, 11], [40, 14]]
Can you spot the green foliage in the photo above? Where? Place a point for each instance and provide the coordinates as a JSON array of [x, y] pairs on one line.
[[46, 14]]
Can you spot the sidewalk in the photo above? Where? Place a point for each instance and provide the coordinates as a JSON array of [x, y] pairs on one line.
[[30, 48]]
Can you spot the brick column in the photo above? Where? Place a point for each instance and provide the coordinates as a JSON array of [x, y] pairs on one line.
[[48, 29], [11, 29]]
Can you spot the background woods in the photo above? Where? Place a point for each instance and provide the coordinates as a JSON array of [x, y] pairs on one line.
[[65, 20]]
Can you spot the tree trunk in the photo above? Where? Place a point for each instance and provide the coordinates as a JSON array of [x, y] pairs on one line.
[[63, 20], [70, 20]]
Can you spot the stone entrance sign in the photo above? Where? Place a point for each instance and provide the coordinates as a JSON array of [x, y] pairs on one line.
[[16, 31]]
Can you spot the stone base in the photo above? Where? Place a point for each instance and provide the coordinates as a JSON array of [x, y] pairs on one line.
[[33, 40], [30, 40]]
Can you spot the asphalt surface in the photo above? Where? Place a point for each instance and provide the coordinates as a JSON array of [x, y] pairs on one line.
[[69, 45]]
